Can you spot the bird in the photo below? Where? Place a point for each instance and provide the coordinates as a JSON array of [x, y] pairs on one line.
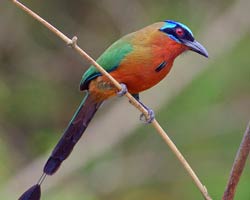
[[138, 61]]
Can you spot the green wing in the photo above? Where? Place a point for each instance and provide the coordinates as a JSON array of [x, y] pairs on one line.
[[109, 60]]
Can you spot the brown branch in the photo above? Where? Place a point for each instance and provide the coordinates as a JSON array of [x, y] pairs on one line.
[[238, 166], [73, 43]]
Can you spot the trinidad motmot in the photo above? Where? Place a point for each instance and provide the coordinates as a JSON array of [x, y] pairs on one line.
[[138, 61]]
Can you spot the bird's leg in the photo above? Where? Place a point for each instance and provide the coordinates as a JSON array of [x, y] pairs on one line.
[[146, 119], [151, 115], [123, 91]]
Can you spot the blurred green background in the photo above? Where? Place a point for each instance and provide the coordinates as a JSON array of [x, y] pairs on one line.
[[205, 112]]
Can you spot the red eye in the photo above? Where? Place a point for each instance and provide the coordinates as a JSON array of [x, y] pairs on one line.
[[179, 31]]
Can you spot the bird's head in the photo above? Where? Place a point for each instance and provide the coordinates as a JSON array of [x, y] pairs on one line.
[[180, 33]]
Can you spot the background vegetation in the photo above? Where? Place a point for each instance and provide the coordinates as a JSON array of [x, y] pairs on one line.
[[205, 114]]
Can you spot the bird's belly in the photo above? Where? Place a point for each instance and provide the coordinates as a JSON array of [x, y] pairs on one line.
[[139, 78], [136, 77]]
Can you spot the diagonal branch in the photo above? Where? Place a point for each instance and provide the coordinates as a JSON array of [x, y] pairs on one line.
[[73, 43], [238, 166]]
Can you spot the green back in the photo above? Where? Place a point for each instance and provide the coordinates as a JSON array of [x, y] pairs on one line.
[[109, 60]]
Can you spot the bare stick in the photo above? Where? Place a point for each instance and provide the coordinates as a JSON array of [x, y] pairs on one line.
[[238, 166], [73, 43]]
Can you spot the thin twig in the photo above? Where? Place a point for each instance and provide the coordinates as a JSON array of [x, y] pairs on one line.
[[238, 166], [73, 43]]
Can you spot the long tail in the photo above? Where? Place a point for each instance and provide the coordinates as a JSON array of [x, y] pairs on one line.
[[72, 134]]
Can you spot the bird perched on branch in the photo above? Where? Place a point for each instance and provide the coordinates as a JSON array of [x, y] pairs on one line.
[[138, 61]]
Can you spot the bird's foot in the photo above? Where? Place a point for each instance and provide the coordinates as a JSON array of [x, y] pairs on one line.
[[123, 91], [150, 116]]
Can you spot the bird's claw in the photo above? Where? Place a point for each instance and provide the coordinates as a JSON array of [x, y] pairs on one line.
[[149, 118], [123, 91]]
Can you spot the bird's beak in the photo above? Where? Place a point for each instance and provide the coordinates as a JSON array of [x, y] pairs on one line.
[[196, 46]]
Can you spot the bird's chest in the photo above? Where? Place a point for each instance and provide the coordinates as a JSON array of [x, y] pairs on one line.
[[153, 72], [144, 70]]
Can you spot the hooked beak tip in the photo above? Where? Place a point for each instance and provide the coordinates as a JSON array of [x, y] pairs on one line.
[[205, 55]]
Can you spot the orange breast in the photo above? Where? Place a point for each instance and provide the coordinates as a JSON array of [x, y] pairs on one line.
[[142, 76]]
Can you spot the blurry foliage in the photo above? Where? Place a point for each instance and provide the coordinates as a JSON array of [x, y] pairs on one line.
[[39, 80]]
